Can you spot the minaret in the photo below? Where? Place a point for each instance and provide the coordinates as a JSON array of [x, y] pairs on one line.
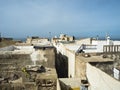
[[108, 39]]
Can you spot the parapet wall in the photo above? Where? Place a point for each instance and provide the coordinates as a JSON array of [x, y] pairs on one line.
[[100, 80], [17, 48], [13, 62], [9, 48], [12, 87]]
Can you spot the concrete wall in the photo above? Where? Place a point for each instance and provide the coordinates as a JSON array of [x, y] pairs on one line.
[[58, 85], [80, 68], [70, 83], [66, 59], [99, 80], [61, 48], [47, 57], [18, 86], [12, 62], [12, 87], [71, 63], [17, 48], [9, 48], [76, 67], [72, 47], [24, 48], [84, 41]]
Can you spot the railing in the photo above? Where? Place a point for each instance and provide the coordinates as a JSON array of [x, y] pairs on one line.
[[89, 46], [85, 47], [111, 48]]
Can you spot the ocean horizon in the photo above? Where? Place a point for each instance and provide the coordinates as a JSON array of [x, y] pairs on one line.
[[77, 38]]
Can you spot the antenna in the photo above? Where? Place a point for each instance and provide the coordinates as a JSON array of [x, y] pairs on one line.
[[0, 35], [50, 35], [97, 37], [106, 35]]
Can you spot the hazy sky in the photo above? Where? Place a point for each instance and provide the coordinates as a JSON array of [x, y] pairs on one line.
[[21, 18]]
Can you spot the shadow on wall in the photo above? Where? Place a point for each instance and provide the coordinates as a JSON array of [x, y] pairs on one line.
[[64, 86], [104, 66], [61, 64]]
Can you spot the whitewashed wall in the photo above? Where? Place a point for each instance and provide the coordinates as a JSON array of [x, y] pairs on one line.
[[83, 41], [116, 42], [99, 80], [71, 63], [24, 48], [9, 48]]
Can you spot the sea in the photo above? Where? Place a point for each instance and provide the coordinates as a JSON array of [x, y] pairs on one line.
[[22, 39], [77, 38]]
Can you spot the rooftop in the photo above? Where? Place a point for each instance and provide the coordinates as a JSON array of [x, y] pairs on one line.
[[49, 74], [72, 82], [43, 46], [94, 58]]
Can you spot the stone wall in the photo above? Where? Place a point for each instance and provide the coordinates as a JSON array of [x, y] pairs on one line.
[[80, 68], [10, 63], [12, 87], [99, 80], [9, 48], [47, 57]]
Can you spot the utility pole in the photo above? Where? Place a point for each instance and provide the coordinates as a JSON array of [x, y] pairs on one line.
[[50, 36], [97, 37], [0, 37]]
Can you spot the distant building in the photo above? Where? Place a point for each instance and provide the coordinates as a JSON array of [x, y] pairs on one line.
[[37, 41], [75, 62], [62, 38]]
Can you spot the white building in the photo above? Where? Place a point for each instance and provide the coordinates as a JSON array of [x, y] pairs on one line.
[[116, 72]]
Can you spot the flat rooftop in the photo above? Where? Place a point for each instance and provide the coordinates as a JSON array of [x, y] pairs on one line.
[[43, 46], [72, 82], [94, 59], [49, 74]]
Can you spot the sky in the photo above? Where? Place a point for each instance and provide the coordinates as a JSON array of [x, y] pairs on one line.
[[81, 18]]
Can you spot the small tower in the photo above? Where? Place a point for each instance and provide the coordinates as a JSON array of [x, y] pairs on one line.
[[97, 37], [0, 37], [108, 39]]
